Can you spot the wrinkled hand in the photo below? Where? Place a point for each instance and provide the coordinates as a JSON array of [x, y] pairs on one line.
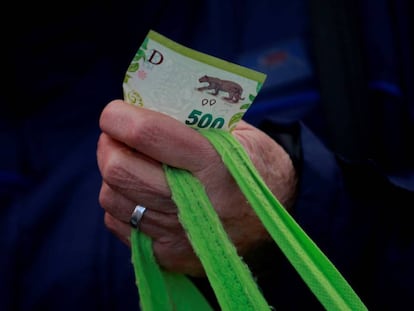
[[131, 149]]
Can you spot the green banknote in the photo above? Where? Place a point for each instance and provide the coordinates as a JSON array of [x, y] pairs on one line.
[[197, 89]]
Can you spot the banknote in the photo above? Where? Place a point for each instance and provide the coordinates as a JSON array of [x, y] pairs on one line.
[[195, 88]]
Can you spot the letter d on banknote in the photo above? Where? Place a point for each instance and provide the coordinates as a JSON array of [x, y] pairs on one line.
[[197, 89]]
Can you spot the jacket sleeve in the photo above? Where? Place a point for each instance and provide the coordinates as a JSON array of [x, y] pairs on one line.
[[356, 215]]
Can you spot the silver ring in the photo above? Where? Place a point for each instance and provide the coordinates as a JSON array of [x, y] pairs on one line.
[[137, 215]]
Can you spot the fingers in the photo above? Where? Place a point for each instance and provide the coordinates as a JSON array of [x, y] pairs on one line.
[[120, 229], [132, 175], [116, 204], [158, 226], [171, 250], [153, 223], [156, 135], [176, 254], [171, 247]]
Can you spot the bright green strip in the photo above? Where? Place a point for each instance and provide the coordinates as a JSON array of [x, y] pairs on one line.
[[160, 290], [229, 276], [153, 290], [185, 294], [322, 277], [207, 59]]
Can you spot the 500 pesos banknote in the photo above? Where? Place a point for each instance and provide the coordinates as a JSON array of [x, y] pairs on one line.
[[200, 90]]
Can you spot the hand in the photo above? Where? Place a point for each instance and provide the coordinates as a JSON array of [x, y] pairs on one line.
[[131, 149]]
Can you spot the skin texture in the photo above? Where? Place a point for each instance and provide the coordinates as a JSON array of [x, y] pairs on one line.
[[131, 149]]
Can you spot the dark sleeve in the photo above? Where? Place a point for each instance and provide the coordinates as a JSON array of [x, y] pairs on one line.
[[356, 216], [288, 136]]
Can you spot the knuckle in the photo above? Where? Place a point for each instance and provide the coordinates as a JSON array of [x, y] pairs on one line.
[[146, 133], [104, 197], [114, 172]]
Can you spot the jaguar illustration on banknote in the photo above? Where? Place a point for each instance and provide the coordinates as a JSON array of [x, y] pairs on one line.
[[233, 89]]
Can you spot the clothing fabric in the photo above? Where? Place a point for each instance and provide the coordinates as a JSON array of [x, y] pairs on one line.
[[70, 61]]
